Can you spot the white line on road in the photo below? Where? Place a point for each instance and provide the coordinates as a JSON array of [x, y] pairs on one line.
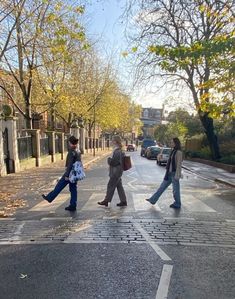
[[44, 206], [17, 233], [141, 204], [193, 204], [148, 239], [164, 283]]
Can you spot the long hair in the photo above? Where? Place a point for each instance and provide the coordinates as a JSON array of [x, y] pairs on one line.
[[118, 140], [177, 143]]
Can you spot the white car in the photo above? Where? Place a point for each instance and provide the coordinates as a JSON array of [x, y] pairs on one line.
[[163, 156]]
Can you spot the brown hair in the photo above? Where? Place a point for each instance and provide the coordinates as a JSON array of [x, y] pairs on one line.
[[177, 143], [118, 140]]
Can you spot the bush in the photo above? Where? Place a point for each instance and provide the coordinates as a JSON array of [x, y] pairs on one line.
[[205, 153], [230, 159]]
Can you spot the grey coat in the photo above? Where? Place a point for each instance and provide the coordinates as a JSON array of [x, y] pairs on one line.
[[116, 163]]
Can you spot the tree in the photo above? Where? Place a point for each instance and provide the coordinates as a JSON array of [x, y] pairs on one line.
[[8, 24], [182, 41], [191, 122], [40, 21]]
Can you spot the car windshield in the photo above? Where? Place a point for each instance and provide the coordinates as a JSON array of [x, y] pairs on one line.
[[155, 148], [147, 143], [166, 151]]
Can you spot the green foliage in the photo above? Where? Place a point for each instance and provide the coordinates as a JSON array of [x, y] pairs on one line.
[[230, 159]]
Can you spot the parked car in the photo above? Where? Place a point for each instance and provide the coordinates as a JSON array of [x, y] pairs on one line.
[[145, 144], [163, 156], [131, 147], [152, 152]]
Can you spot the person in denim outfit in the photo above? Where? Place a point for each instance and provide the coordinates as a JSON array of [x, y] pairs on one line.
[[172, 176], [73, 156]]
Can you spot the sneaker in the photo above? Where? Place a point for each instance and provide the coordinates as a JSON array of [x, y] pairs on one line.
[[121, 204], [174, 206], [71, 208]]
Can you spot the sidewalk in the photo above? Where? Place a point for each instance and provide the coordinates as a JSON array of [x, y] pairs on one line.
[[210, 172], [14, 187]]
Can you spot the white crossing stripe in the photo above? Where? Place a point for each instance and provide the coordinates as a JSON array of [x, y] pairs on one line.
[[91, 204], [44, 206], [164, 283], [193, 204], [154, 246], [140, 204]]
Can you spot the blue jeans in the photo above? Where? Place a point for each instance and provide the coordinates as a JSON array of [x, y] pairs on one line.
[[62, 183], [164, 185]]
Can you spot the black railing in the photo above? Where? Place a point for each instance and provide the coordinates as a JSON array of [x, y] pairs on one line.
[[66, 142], [57, 144], [25, 148], [44, 145]]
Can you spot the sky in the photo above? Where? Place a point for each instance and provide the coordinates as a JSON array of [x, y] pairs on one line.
[[105, 23]]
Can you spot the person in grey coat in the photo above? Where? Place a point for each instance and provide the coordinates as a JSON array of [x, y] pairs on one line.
[[115, 174], [73, 156]]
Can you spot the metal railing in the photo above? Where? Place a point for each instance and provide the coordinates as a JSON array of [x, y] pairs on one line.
[[25, 148], [44, 145]]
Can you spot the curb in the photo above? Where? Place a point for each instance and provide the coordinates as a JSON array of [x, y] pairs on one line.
[[200, 176], [221, 181], [225, 182]]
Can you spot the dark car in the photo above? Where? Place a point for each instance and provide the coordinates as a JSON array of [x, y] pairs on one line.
[[146, 143], [152, 152], [131, 147]]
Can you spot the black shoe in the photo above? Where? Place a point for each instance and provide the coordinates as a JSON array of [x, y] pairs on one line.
[[174, 206], [121, 204], [70, 208], [44, 197], [103, 203]]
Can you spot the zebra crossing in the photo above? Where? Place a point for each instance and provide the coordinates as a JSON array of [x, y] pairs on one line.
[[136, 203]]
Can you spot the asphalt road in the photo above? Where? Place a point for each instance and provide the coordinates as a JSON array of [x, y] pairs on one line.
[[140, 251]]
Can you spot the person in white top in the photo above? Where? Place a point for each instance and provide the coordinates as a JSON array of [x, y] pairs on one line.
[[172, 176]]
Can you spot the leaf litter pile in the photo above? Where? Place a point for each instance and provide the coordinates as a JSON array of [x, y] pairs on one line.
[[8, 205]]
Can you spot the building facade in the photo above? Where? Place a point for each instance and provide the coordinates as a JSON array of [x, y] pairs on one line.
[[151, 117]]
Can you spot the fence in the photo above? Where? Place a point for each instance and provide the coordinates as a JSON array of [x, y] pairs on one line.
[[25, 149], [44, 145], [57, 144]]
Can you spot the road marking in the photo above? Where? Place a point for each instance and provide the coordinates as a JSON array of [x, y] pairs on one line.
[[44, 206], [130, 184], [141, 204], [17, 233], [91, 204], [7, 218], [56, 218], [148, 239], [164, 283], [193, 204]]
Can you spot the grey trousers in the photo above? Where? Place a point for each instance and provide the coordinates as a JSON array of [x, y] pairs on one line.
[[115, 182]]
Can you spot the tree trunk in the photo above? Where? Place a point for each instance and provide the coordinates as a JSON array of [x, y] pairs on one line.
[[28, 114], [53, 119], [208, 125]]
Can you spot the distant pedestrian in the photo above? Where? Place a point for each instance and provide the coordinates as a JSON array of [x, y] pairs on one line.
[[172, 176], [73, 156], [115, 174]]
